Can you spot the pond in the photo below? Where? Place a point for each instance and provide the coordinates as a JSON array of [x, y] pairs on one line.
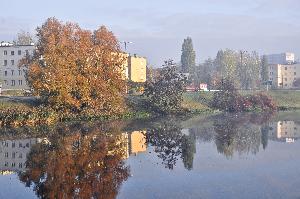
[[223, 156]]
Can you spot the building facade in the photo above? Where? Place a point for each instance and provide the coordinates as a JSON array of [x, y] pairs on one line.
[[12, 77], [137, 68], [282, 58], [284, 76]]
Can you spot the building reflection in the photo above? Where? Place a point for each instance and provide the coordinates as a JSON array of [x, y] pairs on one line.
[[284, 131], [13, 154]]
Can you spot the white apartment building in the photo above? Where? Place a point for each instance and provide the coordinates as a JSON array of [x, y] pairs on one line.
[[282, 58], [12, 77], [283, 76]]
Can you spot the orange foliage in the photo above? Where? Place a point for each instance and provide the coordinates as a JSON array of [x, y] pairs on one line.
[[76, 69]]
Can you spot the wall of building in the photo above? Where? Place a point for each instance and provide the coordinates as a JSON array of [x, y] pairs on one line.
[[137, 68], [12, 76], [284, 76]]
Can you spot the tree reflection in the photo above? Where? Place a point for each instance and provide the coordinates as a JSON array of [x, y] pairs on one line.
[[240, 134], [171, 144], [81, 165]]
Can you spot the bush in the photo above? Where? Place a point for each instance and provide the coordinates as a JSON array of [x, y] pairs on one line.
[[228, 99]]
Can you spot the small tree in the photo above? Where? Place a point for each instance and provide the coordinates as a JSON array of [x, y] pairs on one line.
[[165, 94], [24, 38]]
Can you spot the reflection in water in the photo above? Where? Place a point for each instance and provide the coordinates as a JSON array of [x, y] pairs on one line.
[[89, 162], [13, 154], [286, 131], [80, 165], [170, 143]]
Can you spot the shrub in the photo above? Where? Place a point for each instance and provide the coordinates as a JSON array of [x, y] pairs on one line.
[[166, 94]]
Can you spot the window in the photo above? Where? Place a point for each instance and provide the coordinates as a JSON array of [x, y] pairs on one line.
[[12, 52], [20, 72], [13, 145], [20, 165], [6, 164], [5, 82], [5, 73], [13, 164], [6, 154], [5, 63], [12, 62], [6, 144], [27, 144], [12, 72], [13, 155], [20, 82], [20, 145], [5, 52], [19, 52], [26, 52], [13, 82], [20, 155]]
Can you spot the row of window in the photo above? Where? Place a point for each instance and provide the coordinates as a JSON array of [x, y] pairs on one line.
[[13, 164], [13, 155], [13, 72], [13, 82], [271, 73], [5, 52], [13, 145], [12, 62]]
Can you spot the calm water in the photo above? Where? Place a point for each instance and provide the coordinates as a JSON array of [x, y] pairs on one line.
[[228, 156]]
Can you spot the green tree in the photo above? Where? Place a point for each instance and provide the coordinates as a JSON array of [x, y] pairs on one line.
[[165, 95], [188, 56], [264, 69]]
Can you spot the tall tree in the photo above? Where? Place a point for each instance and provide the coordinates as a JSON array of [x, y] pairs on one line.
[[188, 56], [264, 69]]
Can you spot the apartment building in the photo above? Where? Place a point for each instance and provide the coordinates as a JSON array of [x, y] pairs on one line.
[[282, 58], [283, 76], [12, 77]]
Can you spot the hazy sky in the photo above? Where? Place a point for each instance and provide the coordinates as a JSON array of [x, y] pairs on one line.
[[158, 27]]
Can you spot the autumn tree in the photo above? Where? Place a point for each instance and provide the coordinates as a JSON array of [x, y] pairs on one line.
[[77, 70]]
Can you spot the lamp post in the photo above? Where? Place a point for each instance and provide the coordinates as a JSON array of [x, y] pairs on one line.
[[125, 44]]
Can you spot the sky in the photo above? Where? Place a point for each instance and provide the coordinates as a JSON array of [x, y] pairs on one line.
[[157, 28]]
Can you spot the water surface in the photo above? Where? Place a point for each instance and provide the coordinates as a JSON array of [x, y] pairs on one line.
[[225, 156]]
